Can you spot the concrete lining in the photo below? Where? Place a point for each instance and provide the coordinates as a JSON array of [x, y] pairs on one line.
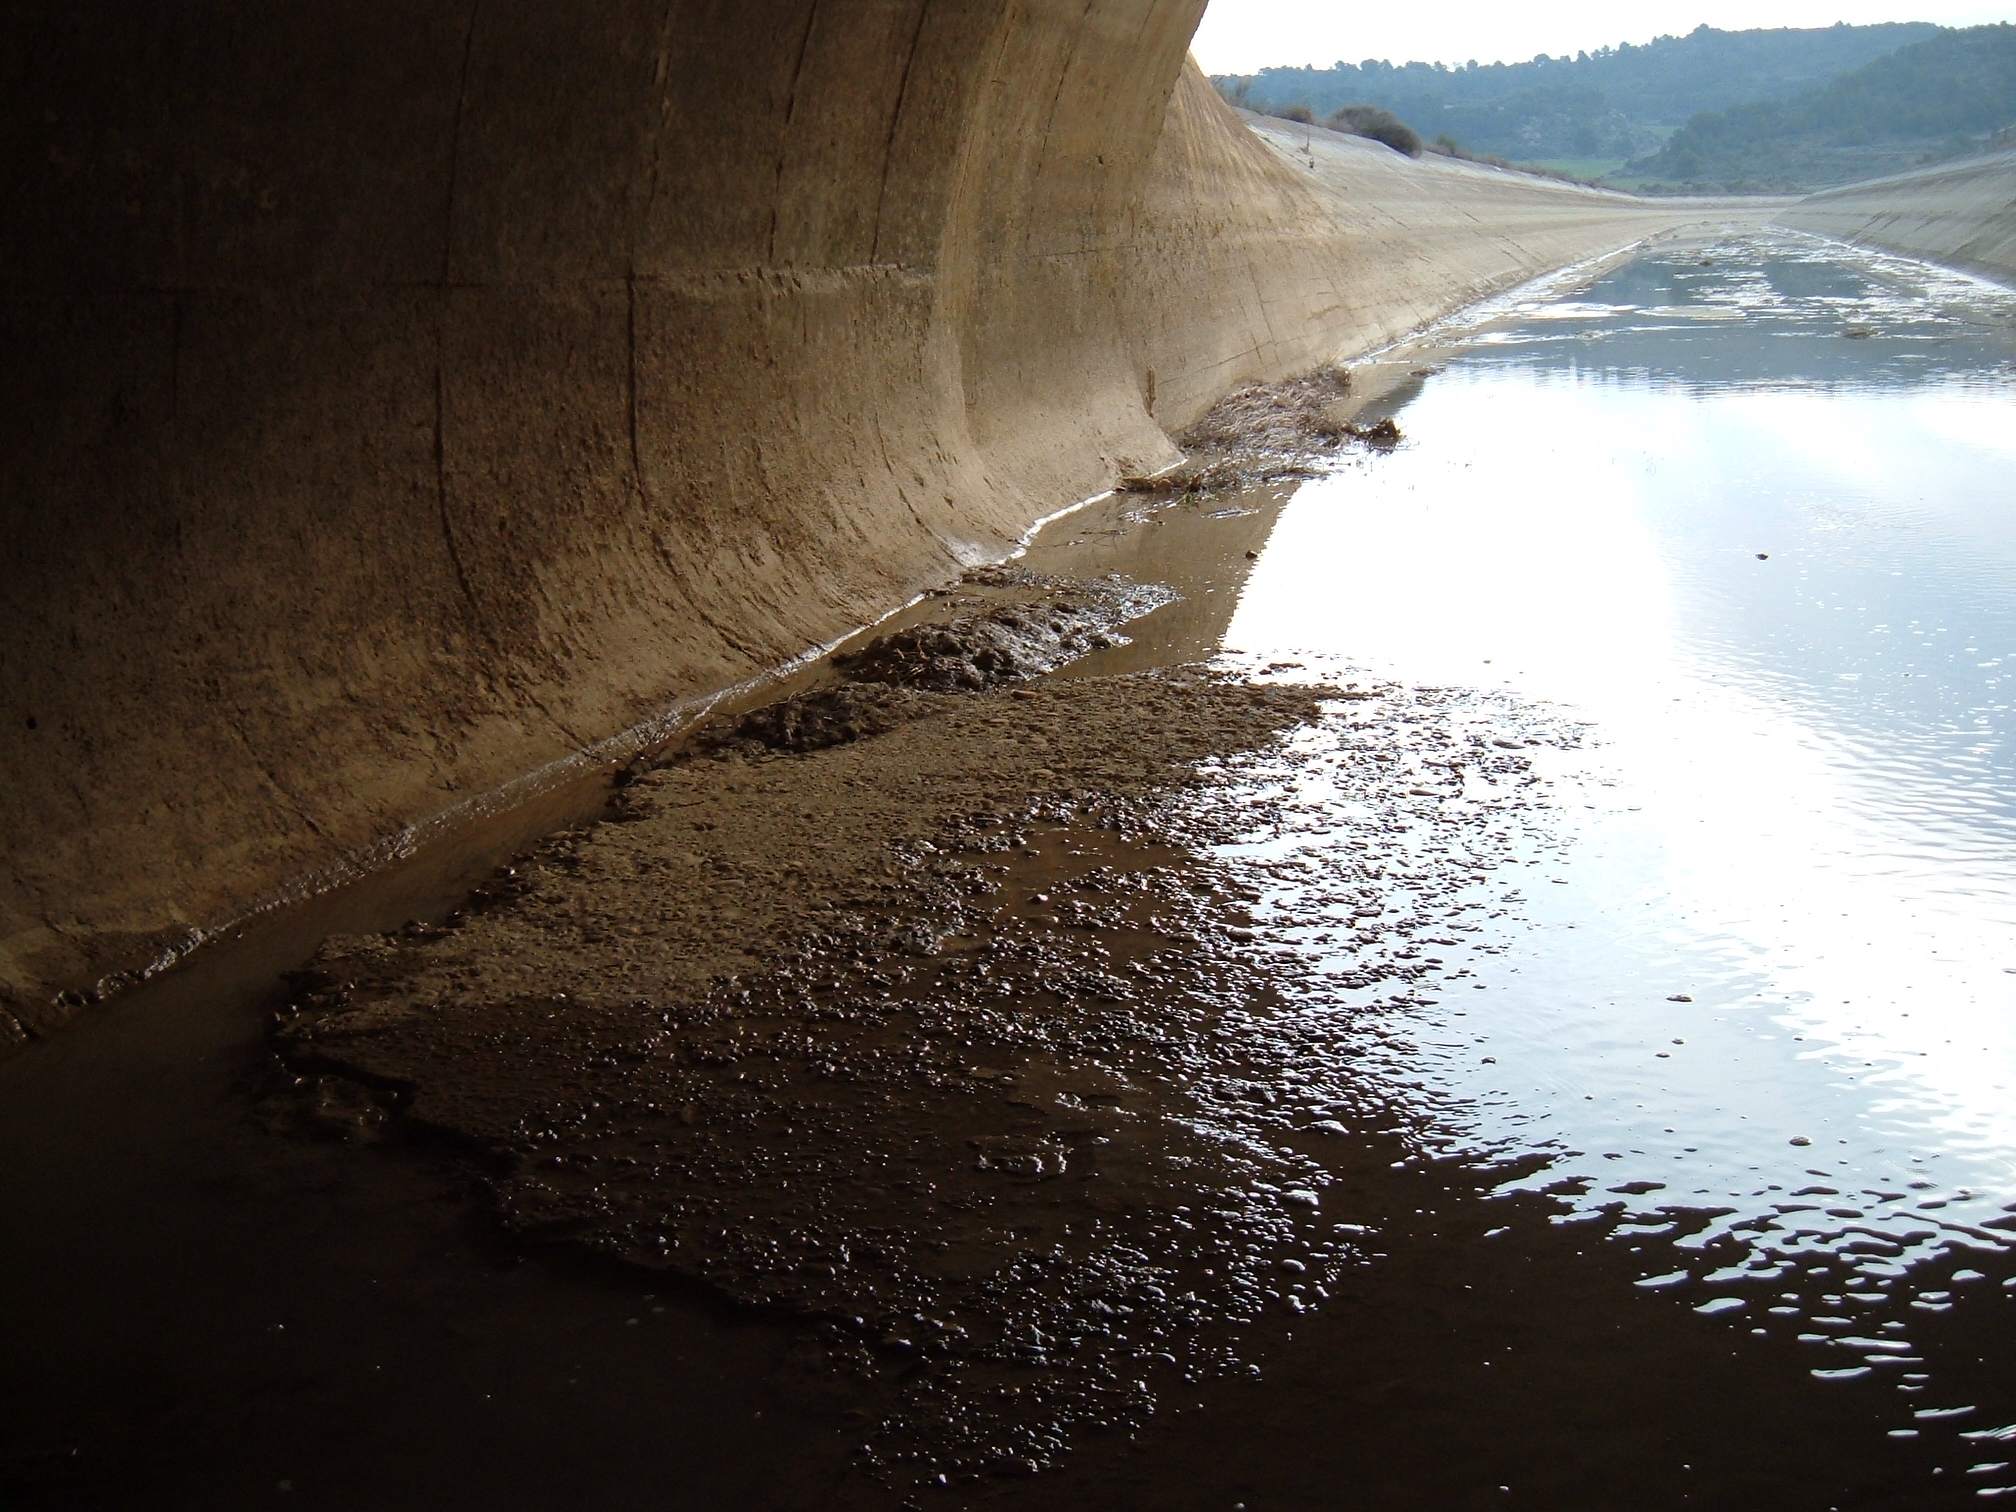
[[1960, 214], [403, 396]]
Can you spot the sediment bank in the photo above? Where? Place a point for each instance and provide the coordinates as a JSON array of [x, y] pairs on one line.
[[401, 403], [1960, 214], [951, 1043]]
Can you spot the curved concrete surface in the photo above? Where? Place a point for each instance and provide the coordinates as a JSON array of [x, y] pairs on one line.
[[1422, 237], [1961, 214], [401, 396]]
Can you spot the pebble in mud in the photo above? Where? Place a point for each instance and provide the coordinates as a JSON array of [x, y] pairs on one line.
[[954, 1061]]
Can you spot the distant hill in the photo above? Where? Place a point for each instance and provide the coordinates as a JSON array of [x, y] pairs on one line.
[[1935, 98], [1613, 104]]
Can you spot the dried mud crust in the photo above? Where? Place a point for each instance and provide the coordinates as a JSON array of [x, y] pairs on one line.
[[946, 1042], [1269, 432]]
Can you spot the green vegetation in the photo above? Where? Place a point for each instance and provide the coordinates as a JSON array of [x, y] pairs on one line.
[[1938, 98], [1617, 102], [1446, 146], [1378, 125], [1586, 169], [1765, 111]]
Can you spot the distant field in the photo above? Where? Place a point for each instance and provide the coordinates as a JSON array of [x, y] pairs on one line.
[[1589, 168]]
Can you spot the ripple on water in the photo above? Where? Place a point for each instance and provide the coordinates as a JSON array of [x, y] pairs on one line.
[[1757, 965]]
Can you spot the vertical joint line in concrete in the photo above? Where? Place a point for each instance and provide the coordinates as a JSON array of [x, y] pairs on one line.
[[895, 123], [640, 221], [444, 314], [174, 357], [790, 114], [441, 476], [1056, 101], [636, 445], [455, 146]]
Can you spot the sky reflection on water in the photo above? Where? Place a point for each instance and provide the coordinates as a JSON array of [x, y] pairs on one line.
[[1772, 564]]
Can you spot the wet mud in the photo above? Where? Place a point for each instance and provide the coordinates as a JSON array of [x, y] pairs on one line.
[[1270, 433], [797, 1056], [1050, 623], [955, 1043]]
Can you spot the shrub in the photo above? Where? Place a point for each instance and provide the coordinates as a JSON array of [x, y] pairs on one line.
[[1300, 114], [1379, 125]]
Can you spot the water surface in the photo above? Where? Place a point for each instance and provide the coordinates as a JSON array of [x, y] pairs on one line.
[[1746, 514], [1679, 816]]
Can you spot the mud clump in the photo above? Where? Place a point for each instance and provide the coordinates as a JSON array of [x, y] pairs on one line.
[[1006, 644], [322, 1107], [969, 654], [1383, 434], [1222, 476], [906, 674], [1278, 419], [1267, 433], [813, 721]]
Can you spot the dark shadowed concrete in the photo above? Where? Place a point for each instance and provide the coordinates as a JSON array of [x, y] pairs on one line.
[[400, 397]]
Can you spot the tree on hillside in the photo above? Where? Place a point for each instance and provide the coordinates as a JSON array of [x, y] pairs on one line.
[[1377, 125], [1623, 99], [1958, 84]]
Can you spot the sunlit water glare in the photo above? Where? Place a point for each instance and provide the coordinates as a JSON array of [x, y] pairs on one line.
[[1749, 515]]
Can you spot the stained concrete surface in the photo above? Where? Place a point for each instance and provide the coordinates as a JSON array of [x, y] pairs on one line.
[[401, 400]]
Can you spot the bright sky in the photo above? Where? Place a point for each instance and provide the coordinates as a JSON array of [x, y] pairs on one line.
[[1242, 36]]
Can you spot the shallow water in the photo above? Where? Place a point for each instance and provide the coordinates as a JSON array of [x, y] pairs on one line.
[[1747, 513], [1675, 827]]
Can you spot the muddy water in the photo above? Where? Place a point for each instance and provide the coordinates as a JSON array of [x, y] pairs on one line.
[[1575, 1053]]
